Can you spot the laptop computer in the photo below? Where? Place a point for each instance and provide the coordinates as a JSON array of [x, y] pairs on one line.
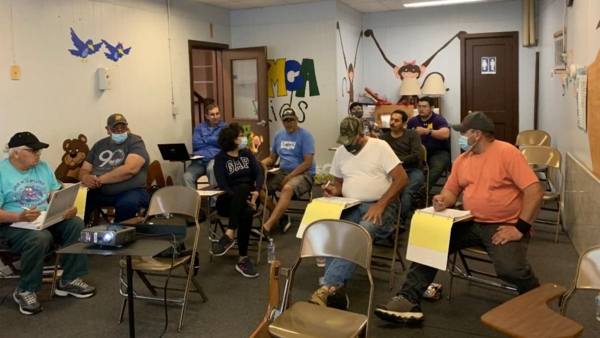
[[176, 152], [61, 202]]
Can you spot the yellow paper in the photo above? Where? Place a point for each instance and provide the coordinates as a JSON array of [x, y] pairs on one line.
[[317, 210], [80, 201], [430, 231]]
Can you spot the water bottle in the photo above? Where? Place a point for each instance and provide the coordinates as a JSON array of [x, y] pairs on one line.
[[271, 251], [321, 262], [598, 307]]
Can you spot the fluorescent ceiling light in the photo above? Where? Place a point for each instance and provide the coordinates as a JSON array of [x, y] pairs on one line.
[[440, 3]]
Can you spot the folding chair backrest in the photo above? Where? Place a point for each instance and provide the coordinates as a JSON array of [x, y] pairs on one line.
[[588, 270], [265, 172], [337, 238], [533, 138], [175, 200], [542, 155], [424, 155]]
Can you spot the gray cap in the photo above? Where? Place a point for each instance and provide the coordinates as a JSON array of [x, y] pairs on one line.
[[476, 120]]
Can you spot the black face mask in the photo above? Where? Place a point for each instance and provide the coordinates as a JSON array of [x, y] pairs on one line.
[[354, 148], [357, 113]]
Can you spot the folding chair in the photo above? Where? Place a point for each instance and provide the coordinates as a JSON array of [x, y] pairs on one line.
[[216, 221], [587, 276], [477, 254], [262, 331], [425, 167], [395, 253], [336, 239], [534, 138], [177, 200], [549, 158]]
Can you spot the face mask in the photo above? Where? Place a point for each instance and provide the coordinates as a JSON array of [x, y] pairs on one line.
[[243, 144], [353, 148], [119, 138], [357, 113], [463, 143]]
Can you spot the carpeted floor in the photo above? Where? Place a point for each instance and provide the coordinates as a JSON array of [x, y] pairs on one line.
[[237, 304]]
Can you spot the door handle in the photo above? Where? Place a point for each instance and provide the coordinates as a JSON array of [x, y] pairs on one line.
[[470, 112], [262, 123]]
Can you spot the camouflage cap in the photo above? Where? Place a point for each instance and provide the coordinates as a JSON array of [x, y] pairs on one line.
[[115, 119], [349, 128]]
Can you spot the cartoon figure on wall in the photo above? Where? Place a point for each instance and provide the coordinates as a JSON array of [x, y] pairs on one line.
[[410, 71], [75, 152], [115, 52], [350, 68], [254, 141], [83, 49]]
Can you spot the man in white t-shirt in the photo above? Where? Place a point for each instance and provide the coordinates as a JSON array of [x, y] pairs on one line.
[[366, 169]]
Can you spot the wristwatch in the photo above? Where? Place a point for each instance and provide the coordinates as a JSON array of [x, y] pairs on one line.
[[430, 131]]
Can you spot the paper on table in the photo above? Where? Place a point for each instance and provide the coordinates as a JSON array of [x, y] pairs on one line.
[[316, 211], [429, 240], [455, 214]]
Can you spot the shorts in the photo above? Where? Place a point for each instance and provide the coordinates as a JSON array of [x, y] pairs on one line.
[[300, 184]]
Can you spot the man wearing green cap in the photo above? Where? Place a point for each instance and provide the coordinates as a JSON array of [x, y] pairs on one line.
[[504, 196], [368, 170], [115, 172]]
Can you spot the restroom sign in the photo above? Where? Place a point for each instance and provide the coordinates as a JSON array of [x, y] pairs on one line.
[[488, 65]]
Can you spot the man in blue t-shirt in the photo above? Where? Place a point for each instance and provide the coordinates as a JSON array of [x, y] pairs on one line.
[[295, 147], [435, 136], [26, 185]]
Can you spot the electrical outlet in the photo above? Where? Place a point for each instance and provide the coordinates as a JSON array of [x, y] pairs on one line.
[[174, 110], [15, 72]]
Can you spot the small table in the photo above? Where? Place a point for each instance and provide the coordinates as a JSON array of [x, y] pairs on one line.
[[208, 194], [192, 157], [140, 247]]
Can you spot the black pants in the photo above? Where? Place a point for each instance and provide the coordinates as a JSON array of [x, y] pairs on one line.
[[239, 213], [510, 260]]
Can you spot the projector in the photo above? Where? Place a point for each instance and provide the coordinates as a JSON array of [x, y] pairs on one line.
[[111, 235]]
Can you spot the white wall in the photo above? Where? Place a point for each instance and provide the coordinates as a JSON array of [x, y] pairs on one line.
[[417, 33], [350, 23], [295, 32], [558, 114], [58, 97]]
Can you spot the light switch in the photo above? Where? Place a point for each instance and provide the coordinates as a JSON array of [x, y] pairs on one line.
[[15, 72]]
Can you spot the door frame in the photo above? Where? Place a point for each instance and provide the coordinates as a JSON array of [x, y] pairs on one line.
[[463, 68], [217, 72]]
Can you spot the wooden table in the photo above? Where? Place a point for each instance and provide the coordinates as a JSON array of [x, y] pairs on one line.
[[529, 316]]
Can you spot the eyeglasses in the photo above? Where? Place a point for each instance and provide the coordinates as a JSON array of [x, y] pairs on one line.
[[289, 120], [35, 152], [119, 131]]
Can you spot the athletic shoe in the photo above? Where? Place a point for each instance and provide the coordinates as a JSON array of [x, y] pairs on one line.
[[221, 248], [400, 310], [76, 288], [246, 268], [284, 223], [28, 303]]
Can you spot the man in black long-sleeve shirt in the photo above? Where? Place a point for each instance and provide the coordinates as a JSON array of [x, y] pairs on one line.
[[406, 143]]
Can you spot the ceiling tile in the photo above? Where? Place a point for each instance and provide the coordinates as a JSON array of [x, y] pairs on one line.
[[350, 2], [232, 5], [369, 7], [263, 3], [395, 4]]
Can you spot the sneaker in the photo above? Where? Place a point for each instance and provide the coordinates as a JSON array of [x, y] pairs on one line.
[[76, 288], [400, 310], [266, 234], [221, 248], [28, 303], [284, 223], [338, 300], [319, 297], [246, 268]]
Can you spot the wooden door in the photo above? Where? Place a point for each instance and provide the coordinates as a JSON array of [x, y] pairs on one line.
[[492, 90], [245, 95]]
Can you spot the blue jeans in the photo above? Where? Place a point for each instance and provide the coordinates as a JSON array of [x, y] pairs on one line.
[[126, 204], [416, 177], [34, 245], [339, 271], [199, 168]]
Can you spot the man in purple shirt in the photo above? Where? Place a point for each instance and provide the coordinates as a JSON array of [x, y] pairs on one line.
[[435, 136]]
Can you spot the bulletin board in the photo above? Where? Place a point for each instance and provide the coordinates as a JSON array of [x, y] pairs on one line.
[[593, 113]]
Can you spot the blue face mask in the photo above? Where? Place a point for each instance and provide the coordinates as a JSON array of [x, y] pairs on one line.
[[243, 144], [119, 138], [463, 142]]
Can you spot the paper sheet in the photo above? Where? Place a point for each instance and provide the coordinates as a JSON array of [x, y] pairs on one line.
[[316, 211], [455, 214], [429, 240], [581, 86], [80, 201]]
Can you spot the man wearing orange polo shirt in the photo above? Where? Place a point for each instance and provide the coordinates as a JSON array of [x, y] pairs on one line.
[[504, 196]]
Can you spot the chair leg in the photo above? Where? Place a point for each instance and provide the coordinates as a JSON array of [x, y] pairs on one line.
[[558, 221], [452, 275], [196, 285], [123, 307], [54, 276], [147, 283], [186, 294]]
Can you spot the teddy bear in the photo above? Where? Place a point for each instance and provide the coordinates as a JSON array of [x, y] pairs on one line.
[[75, 152]]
